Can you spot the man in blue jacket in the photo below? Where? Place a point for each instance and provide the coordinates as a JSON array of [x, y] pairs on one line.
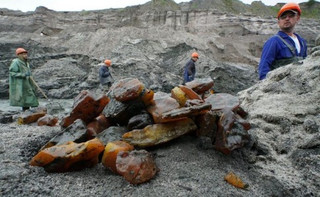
[[190, 68], [105, 75], [285, 47]]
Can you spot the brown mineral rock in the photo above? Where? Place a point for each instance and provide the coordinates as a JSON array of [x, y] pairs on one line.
[[76, 132], [162, 104], [140, 121], [111, 151], [86, 108], [99, 124], [68, 157], [159, 133], [200, 85], [47, 120], [127, 89], [31, 116], [136, 166]]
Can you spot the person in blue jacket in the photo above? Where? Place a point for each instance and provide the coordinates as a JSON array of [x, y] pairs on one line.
[[286, 46], [105, 77], [190, 68]]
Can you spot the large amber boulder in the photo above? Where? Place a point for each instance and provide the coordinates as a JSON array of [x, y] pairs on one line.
[[86, 107], [156, 134], [68, 157], [127, 89]]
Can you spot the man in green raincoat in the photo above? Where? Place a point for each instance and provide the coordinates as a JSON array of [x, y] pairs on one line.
[[22, 90]]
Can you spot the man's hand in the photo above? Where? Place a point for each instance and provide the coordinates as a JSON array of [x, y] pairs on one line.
[[28, 74]]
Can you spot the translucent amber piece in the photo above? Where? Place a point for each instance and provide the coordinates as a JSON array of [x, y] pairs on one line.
[[99, 124], [162, 104], [47, 120], [200, 86], [235, 181], [184, 112], [147, 97], [159, 133], [190, 93], [68, 157], [29, 117], [111, 151], [127, 89], [136, 166], [231, 132], [179, 95], [86, 108]]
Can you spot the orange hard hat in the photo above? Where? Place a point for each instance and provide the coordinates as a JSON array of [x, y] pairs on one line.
[[20, 50], [107, 62], [289, 7], [195, 55]]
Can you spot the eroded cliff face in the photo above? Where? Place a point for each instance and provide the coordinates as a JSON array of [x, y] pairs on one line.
[[65, 48]]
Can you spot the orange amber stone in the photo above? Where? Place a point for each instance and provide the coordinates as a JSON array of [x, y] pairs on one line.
[[127, 89], [179, 95], [47, 120], [111, 151], [235, 181], [159, 133], [69, 156], [136, 166], [162, 104], [86, 108]]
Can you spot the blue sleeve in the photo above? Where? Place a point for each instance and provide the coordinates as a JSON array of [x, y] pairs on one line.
[[268, 55]]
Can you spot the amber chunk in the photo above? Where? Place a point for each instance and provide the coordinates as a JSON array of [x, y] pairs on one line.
[[47, 120], [127, 89], [185, 112], [136, 166], [179, 95], [86, 108], [235, 181], [99, 124], [162, 104], [231, 133], [68, 157], [222, 100], [29, 116], [159, 133], [190, 93], [200, 85], [111, 151], [207, 125], [147, 97]]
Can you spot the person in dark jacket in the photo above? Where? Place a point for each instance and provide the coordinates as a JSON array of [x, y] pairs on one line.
[[105, 75], [22, 90], [286, 46], [190, 68]]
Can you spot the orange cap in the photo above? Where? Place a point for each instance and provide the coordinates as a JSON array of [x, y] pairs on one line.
[[107, 62], [195, 54], [20, 50], [289, 7]]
